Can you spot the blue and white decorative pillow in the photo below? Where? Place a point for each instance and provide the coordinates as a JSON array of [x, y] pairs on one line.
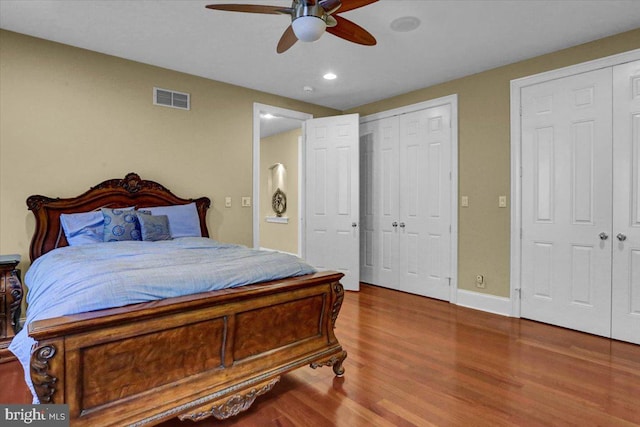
[[120, 225]]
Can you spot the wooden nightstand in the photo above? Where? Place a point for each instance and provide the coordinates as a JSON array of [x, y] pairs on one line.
[[10, 303]]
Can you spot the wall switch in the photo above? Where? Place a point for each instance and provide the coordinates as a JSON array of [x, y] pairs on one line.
[[246, 202], [227, 202], [480, 281], [464, 201], [502, 201]]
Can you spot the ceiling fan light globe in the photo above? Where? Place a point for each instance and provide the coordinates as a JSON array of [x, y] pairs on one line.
[[308, 28]]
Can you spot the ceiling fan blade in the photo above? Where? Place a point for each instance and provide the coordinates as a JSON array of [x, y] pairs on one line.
[[330, 6], [352, 32], [348, 5], [251, 8], [287, 40]]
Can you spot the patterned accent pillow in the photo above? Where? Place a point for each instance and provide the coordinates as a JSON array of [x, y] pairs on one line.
[[153, 227], [120, 225]]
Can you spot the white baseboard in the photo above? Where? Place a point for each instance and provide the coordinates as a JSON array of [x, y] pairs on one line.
[[484, 302]]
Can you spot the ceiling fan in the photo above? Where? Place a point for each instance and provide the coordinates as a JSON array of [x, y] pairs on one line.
[[310, 19]]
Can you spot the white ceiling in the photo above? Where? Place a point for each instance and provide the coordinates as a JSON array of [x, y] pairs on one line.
[[455, 39]]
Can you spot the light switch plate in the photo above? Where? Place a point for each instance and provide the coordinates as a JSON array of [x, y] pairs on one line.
[[227, 202], [464, 201], [246, 201], [502, 201]]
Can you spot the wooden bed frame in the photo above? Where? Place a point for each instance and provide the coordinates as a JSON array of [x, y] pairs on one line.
[[196, 356]]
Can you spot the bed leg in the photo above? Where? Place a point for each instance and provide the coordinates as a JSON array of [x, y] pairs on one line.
[[335, 361]]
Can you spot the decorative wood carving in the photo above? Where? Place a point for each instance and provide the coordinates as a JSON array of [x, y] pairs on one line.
[[43, 382], [36, 202], [232, 406], [338, 297], [15, 290], [132, 183], [335, 361]]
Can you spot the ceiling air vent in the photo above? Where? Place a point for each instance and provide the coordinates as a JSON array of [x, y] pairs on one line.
[[171, 98]]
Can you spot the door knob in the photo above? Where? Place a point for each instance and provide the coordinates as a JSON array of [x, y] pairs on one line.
[[354, 225], [621, 237], [603, 236], [394, 224], [402, 225]]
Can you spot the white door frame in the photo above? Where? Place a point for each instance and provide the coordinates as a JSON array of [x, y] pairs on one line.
[[453, 101], [290, 114], [516, 154]]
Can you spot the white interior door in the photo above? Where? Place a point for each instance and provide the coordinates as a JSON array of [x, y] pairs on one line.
[[332, 196], [379, 147], [566, 202], [425, 200], [625, 321], [407, 186]]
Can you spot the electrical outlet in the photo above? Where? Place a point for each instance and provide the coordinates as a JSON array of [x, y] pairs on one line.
[[480, 281]]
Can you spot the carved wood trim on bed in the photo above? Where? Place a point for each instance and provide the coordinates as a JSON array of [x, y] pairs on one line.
[[112, 193]]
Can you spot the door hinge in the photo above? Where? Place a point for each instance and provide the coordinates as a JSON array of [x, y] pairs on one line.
[[518, 292], [449, 281]]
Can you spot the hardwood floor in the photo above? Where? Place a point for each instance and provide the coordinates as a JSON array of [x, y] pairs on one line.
[[414, 361]]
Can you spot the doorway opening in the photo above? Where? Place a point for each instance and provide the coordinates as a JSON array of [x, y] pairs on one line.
[[278, 184]]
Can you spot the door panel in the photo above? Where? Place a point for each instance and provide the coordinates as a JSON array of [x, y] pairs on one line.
[[425, 144], [332, 196], [566, 202], [626, 204], [379, 152]]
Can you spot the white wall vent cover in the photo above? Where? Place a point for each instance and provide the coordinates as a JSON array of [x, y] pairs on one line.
[[171, 98]]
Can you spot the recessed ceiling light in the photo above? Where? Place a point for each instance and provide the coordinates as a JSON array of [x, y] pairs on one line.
[[405, 24], [330, 76], [307, 89]]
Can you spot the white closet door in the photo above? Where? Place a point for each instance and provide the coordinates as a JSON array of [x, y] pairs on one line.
[[626, 204], [379, 159], [424, 226], [368, 244], [566, 202], [332, 196]]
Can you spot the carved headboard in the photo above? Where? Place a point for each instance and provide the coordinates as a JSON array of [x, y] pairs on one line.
[[113, 193]]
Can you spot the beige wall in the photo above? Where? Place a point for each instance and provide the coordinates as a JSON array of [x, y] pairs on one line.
[[70, 118], [484, 153], [280, 148]]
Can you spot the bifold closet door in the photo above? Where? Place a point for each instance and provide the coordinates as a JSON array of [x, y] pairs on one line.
[[567, 202], [425, 213], [380, 202], [406, 197], [625, 322]]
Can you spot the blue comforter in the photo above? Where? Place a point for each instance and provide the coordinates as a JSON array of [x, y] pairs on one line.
[[77, 279]]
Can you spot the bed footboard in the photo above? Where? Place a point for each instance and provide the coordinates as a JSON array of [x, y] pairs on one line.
[[192, 357]]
